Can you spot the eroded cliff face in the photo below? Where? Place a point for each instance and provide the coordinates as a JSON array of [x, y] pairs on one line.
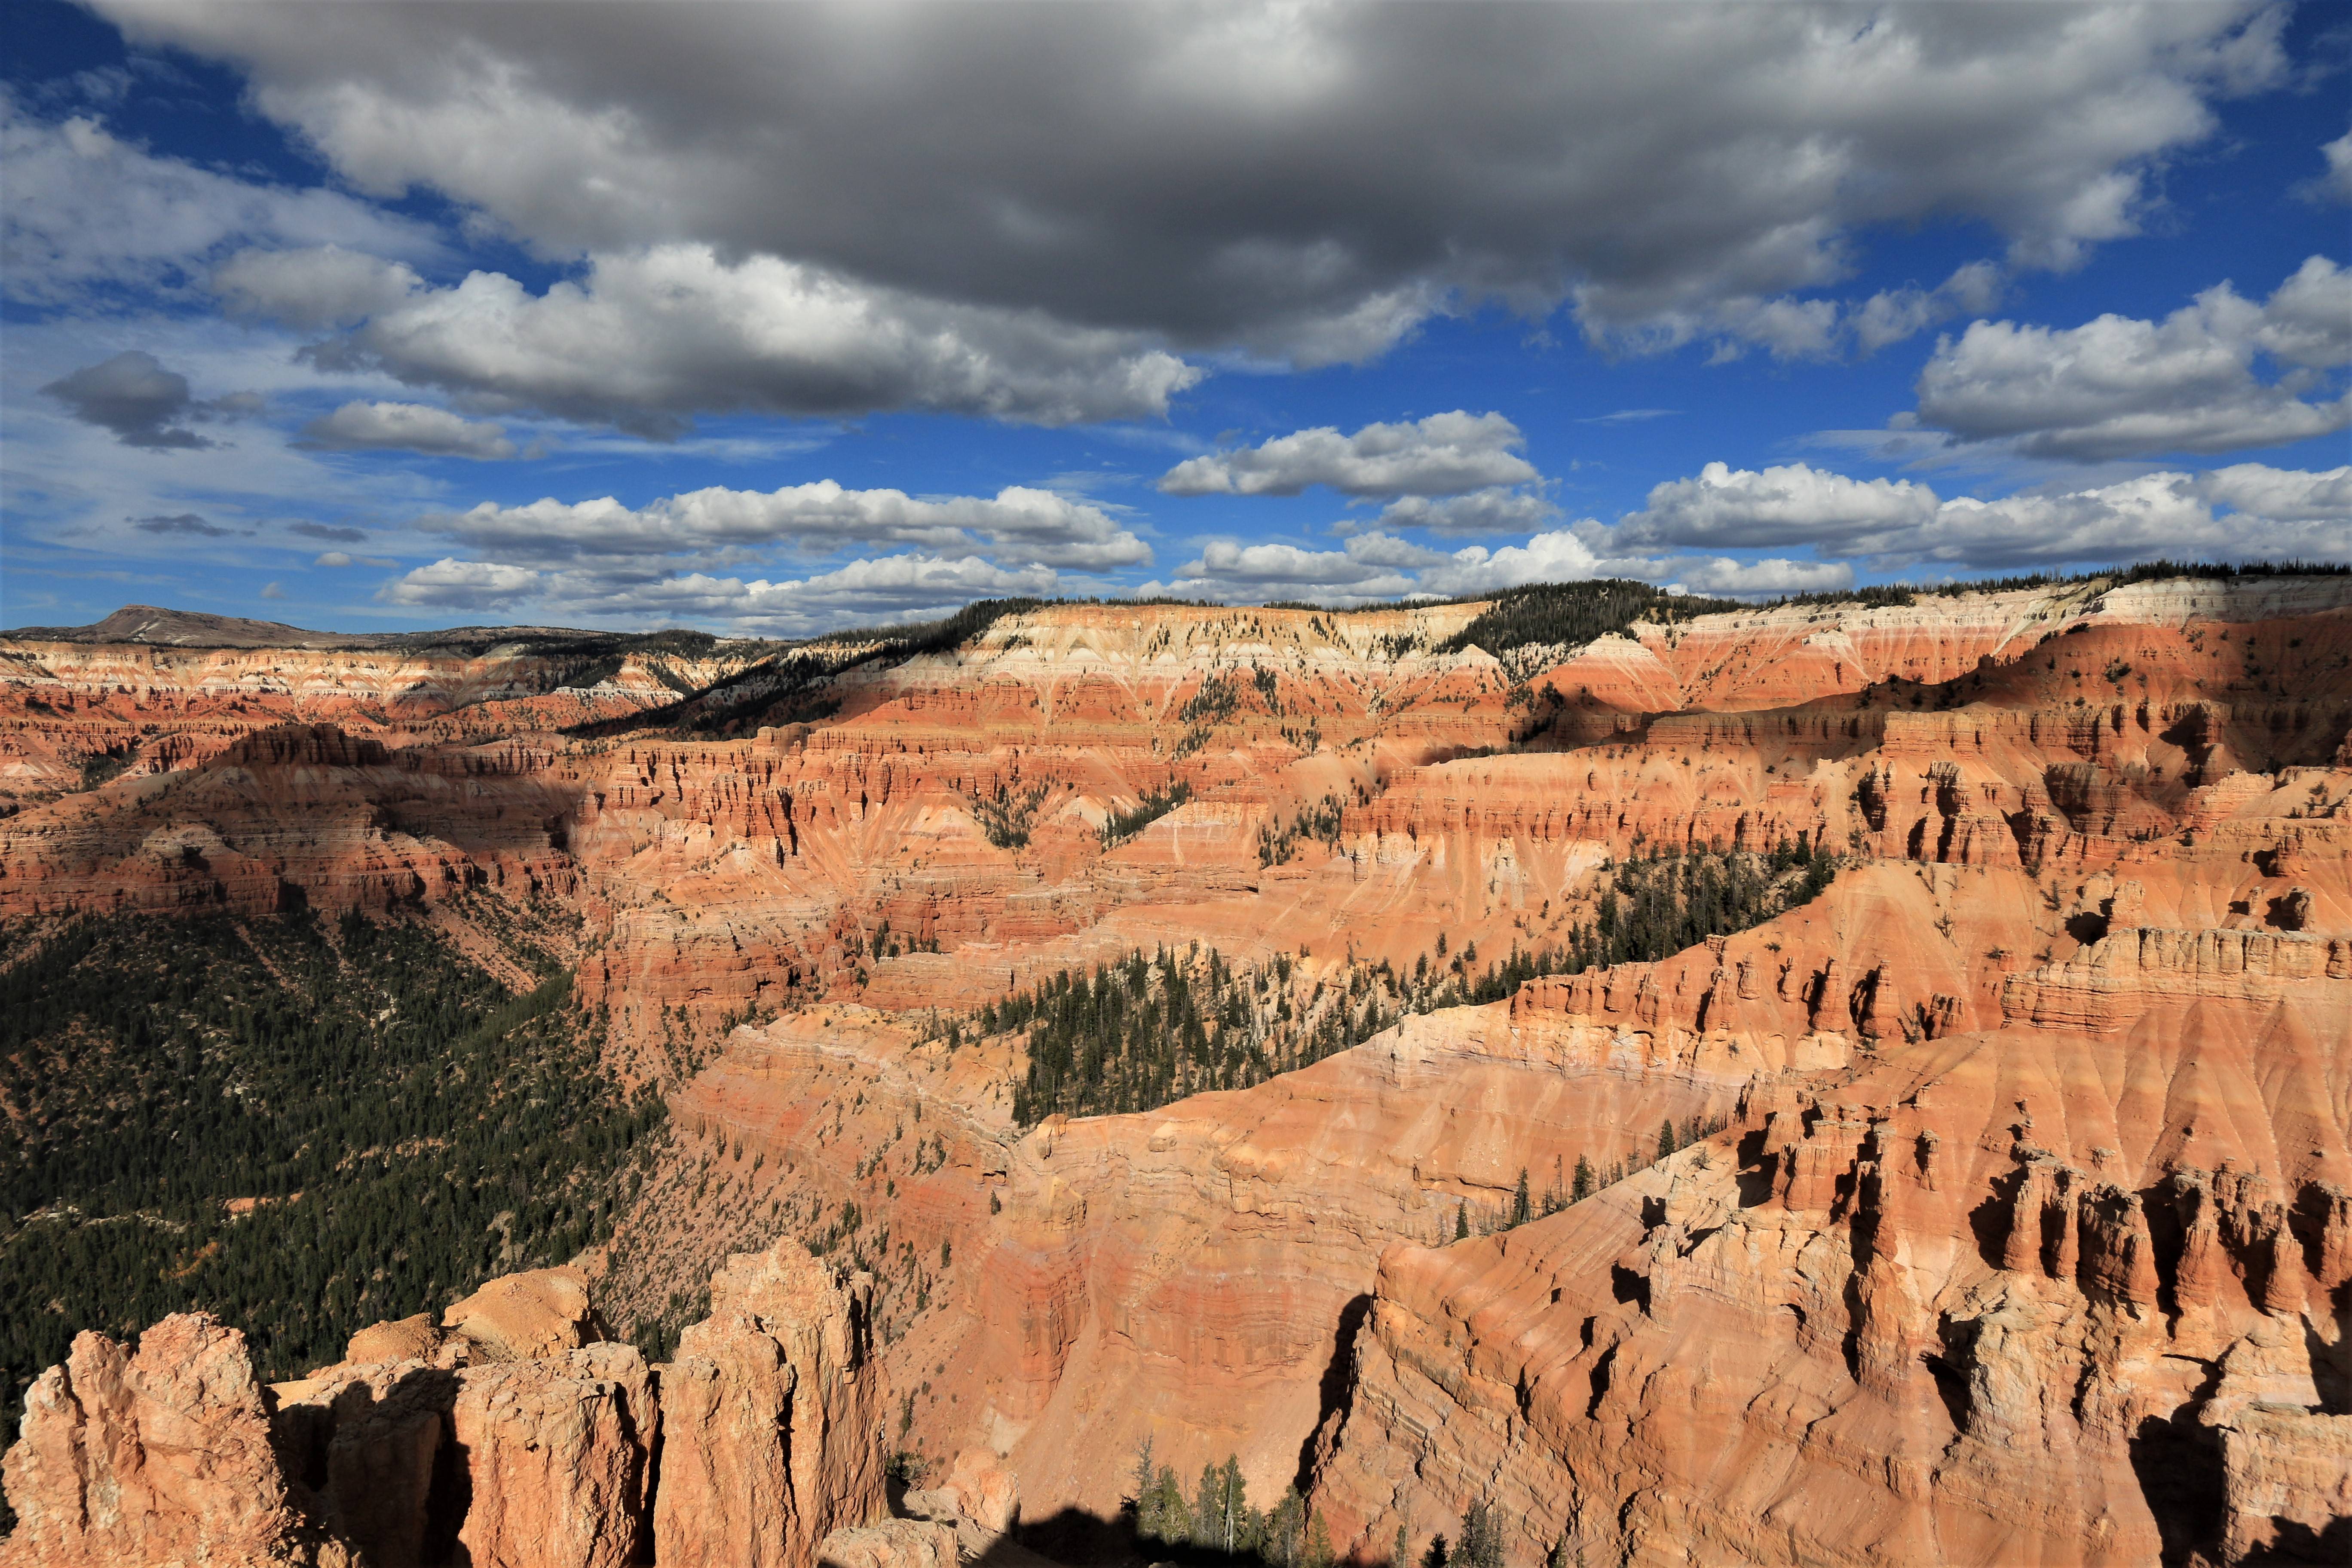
[[157, 708], [2000, 1295], [515, 1435], [2025, 1240]]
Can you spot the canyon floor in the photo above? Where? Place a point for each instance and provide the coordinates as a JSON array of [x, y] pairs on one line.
[[1843, 1082]]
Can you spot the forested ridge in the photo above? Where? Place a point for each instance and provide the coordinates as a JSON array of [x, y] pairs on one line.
[[1546, 614], [1147, 1030], [1650, 907], [403, 1124]]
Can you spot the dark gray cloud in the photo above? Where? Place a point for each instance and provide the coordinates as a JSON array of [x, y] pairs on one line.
[[144, 404], [134, 397], [331, 535], [181, 522], [652, 337], [1007, 208]]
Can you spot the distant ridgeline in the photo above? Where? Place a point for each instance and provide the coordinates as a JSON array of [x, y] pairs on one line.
[[302, 1127], [1145, 1031], [794, 681], [792, 686]]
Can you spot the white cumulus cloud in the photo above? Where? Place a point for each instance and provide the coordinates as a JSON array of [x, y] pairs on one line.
[[1445, 454], [885, 589], [699, 555], [1495, 509], [2118, 386], [2244, 511], [2284, 495], [1375, 567], [2336, 184], [451, 583], [1797, 504], [406, 427], [1018, 524]]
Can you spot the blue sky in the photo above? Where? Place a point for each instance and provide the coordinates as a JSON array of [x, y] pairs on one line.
[[771, 320]]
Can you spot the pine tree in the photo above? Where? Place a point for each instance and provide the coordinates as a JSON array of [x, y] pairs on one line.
[[1145, 1525], [1522, 1210], [1208, 1511], [1482, 1537], [1665, 1137], [1584, 1181], [1318, 1553], [1283, 1527], [1171, 1520], [1462, 1223], [1232, 1505]]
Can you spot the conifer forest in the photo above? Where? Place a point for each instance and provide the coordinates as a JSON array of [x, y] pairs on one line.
[[302, 1126]]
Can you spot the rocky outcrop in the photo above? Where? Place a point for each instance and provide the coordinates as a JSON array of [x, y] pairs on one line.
[[893, 1544], [771, 1417], [517, 1440], [558, 1459], [2287, 1479], [526, 1317], [161, 1456], [980, 1501]]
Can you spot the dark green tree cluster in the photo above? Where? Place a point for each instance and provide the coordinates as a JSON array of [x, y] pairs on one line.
[[2145, 572], [1654, 907], [1657, 905], [1140, 1033], [1121, 825], [406, 1126], [1480, 1544], [794, 685], [1006, 816], [99, 767], [790, 686], [1574, 612], [1143, 1032], [1213, 701], [1319, 821], [1219, 1521]]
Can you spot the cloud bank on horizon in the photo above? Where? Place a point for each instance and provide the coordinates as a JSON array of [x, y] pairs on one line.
[[775, 318]]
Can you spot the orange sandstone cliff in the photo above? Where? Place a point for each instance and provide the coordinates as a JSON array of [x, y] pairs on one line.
[[2025, 1237]]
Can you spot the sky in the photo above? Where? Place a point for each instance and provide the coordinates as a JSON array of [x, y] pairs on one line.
[[772, 320]]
